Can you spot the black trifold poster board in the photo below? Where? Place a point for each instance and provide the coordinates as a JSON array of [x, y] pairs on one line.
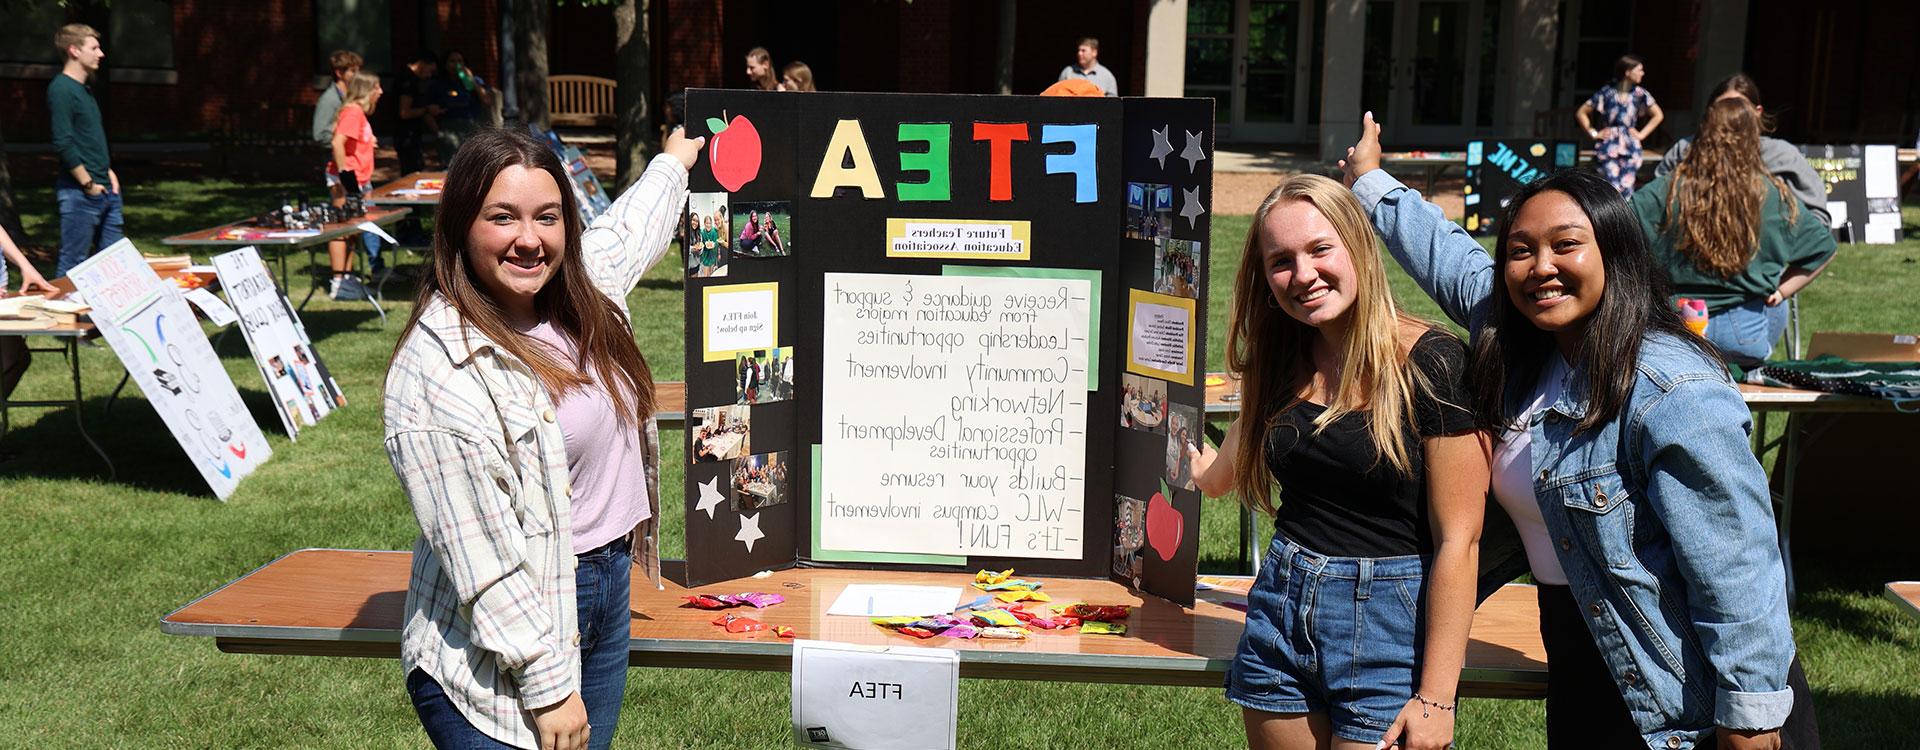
[[1498, 169], [946, 332]]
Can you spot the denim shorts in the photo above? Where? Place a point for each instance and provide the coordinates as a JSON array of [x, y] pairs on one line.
[[1331, 635]]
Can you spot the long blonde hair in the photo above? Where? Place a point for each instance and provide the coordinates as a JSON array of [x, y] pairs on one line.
[[1272, 353], [1713, 208]]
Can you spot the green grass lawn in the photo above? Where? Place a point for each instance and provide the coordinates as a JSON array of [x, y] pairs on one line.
[[92, 565]]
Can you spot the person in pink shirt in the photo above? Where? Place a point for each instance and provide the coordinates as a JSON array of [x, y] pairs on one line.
[[352, 170]]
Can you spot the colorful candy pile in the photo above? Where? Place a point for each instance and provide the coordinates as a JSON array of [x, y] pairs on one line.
[[1000, 614], [734, 623]]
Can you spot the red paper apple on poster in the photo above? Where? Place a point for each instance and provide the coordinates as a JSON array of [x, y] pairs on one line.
[[1165, 525], [733, 151]]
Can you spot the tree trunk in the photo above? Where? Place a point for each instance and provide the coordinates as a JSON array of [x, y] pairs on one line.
[[633, 86], [530, 60], [1003, 63]]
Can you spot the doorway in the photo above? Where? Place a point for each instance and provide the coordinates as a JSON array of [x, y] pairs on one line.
[[1428, 75], [1256, 59]]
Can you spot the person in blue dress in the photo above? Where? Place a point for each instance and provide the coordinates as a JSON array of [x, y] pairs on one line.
[[1621, 104]]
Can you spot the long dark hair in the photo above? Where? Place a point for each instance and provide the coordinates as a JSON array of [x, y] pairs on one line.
[[1510, 350], [600, 334], [1742, 84]]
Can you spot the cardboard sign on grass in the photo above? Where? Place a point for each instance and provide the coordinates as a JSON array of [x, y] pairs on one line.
[[302, 388], [149, 326]]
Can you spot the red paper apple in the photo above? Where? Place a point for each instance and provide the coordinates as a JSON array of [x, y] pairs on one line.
[[733, 151], [1164, 525]]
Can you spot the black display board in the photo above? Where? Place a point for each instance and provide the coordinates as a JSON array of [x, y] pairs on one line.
[[878, 185], [1845, 169], [1498, 169]]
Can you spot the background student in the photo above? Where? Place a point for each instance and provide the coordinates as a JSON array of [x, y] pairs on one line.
[[87, 189], [796, 76], [760, 70], [14, 357], [351, 173], [1621, 105], [1086, 67], [1730, 233], [1782, 159]]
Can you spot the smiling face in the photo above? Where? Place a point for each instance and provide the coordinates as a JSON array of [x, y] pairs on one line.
[[517, 242], [1308, 268], [1553, 269]]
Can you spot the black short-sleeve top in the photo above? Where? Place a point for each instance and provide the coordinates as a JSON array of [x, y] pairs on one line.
[[1335, 497]]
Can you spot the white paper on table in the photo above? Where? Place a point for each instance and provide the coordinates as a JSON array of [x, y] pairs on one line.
[[375, 230], [417, 191], [216, 311], [292, 233], [894, 600]]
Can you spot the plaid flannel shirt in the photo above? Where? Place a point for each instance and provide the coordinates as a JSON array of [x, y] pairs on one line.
[[490, 610]]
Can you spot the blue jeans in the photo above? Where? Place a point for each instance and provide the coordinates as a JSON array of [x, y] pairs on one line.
[[1744, 334], [88, 223], [373, 243], [1332, 635], [604, 580]]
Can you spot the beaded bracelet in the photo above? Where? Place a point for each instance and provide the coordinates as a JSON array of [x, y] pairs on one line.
[[1424, 703]]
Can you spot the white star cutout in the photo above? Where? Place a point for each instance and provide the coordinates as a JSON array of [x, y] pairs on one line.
[[710, 496], [749, 530], [1190, 205], [1161, 146], [1192, 152]]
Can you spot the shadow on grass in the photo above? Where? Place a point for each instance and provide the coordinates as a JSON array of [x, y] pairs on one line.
[[143, 451], [1856, 719]]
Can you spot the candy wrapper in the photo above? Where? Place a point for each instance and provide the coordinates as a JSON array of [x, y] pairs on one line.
[[1016, 584], [921, 633], [1103, 628], [1044, 623], [990, 577], [1099, 612], [996, 617], [738, 624], [979, 602], [724, 601], [1011, 634], [783, 631], [705, 602], [962, 632], [1023, 595], [894, 622]]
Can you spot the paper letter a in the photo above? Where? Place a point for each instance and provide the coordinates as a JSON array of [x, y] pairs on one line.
[[848, 144]]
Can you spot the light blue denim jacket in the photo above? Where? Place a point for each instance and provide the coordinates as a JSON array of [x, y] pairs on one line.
[[1661, 518]]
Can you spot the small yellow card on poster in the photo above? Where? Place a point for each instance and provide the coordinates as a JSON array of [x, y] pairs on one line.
[[1160, 336], [738, 318]]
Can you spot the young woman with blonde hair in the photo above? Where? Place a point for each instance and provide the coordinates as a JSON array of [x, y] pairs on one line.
[[519, 418], [351, 170], [1357, 625], [1731, 233]]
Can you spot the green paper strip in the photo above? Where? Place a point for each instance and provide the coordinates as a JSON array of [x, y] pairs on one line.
[[1025, 272], [836, 555]]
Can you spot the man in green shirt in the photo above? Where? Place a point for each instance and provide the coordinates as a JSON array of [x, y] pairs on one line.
[[88, 191]]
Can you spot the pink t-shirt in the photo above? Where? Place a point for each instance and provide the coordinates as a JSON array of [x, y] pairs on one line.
[[604, 459], [360, 142]]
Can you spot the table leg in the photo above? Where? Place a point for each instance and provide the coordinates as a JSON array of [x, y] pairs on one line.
[[79, 412], [311, 287], [115, 396]]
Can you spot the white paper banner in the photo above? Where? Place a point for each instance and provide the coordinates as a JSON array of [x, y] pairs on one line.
[[861, 697], [954, 412], [150, 327]]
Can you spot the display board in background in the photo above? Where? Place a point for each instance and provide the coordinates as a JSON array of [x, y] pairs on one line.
[[909, 322], [302, 388], [1863, 189], [1498, 169], [593, 199], [150, 328]]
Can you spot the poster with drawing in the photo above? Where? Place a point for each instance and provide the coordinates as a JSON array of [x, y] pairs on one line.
[[150, 328], [303, 389]]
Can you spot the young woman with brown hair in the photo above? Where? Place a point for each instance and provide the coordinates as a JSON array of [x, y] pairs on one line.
[[1357, 625], [1782, 159], [1731, 233], [519, 418]]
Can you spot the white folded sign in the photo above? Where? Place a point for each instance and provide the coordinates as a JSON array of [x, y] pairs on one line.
[[869, 697]]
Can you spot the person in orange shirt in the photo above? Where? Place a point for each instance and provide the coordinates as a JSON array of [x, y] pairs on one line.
[[352, 170]]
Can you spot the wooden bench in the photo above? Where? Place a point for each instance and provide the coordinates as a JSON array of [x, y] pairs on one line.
[[325, 602], [580, 101]]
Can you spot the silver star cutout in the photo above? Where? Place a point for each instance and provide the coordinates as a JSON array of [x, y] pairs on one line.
[[749, 530], [1192, 152], [710, 496], [1190, 205], [1161, 146]]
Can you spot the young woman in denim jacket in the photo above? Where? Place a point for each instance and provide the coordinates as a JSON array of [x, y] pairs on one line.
[[1624, 460], [1357, 625]]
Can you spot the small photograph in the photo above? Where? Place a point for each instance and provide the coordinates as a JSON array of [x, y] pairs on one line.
[[1129, 535], [760, 481], [1143, 403], [708, 235], [1149, 211], [763, 229], [764, 375], [1183, 429], [721, 434], [1176, 267]]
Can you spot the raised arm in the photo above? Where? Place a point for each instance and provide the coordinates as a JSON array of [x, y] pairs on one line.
[[1448, 263], [633, 233]]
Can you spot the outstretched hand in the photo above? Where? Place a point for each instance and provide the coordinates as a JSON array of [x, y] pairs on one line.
[[1364, 156], [687, 150]]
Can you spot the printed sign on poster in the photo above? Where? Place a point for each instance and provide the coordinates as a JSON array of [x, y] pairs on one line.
[[303, 389], [149, 326]]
